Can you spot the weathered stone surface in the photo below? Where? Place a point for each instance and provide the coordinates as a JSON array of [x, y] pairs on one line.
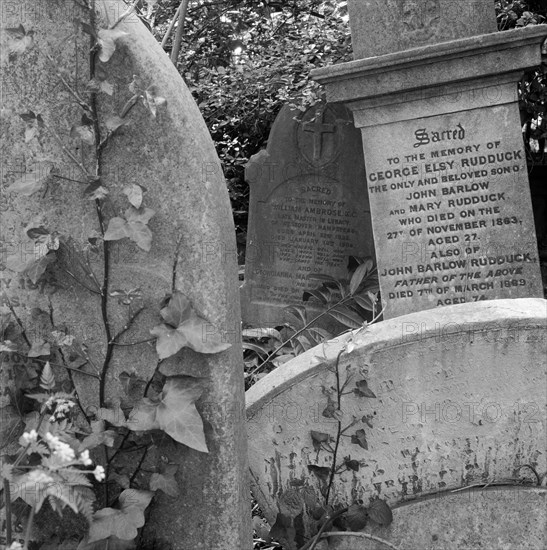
[[384, 26], [495, 517], [193, 247], [308, 209], [446, 169], [460, 400]]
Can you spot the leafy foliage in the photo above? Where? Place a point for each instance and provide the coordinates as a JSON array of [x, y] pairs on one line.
[[183, 327]]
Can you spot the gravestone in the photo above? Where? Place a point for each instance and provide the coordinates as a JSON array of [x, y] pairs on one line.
[[470, 519], [460, 400], [446, 166], [308, 209], [173, 157]]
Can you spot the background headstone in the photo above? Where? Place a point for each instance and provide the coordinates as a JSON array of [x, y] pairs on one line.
[[446, 165], [308, 209], [460, 400]]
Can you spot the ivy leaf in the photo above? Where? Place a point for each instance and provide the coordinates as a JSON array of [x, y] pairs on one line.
[[165, 480], [114, 122], [177, 414], [116, 417], [360, 438], [95, 190], [194, 328], [322, 472], [151, 101], [96, 85], [134, 227], [83, 132], [39, 348], [380, 512], [33, 180], [47, 378], [98, 436], [35, 269], [106, 38], [169, 340], [143, 416], [190, 330], [318, 438], [140, 234], [134, 194], [362, 389], [19, 41], [136, 215], [353, 465], [357, 517], [116, 230], [121, 522], [177, 309]]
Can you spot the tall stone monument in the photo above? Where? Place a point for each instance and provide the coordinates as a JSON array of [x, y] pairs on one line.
[[308, 211], [434, 91]]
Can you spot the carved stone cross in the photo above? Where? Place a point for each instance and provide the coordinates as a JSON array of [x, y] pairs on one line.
[[318, 128]]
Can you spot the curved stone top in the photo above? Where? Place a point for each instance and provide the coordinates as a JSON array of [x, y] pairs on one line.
[[459, 400], [494, 315]]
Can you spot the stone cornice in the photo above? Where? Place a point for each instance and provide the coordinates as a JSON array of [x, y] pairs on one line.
[[434, 65]]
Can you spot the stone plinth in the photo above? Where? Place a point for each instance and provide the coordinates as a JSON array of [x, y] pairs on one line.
[[446, 168]]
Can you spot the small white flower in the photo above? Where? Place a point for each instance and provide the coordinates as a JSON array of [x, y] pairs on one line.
[[39, 476], [84, 458], [99, 474], [61, 450], [15, 546], [30, 437]]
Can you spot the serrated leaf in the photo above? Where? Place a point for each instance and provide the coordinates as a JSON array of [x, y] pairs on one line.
[[177, 414], [134, 194], [141, 215], [47, 378], [121, 522], [360, 438], [116, 230], [299, 312], [106, 38], [380, 512], [362, 389], [356, 517], [33, 180]]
